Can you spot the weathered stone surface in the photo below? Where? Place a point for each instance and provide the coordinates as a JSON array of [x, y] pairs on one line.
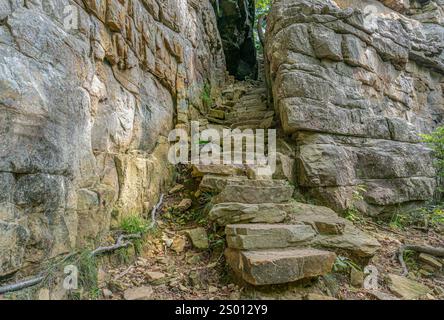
[[353, 240], [184, 205], [324, 220], [266, 236], [279, 266], [84, 107], [199, 238], [430, 260], [248, 193], [357, 96], [218, 169], [230, 212], [356, 278], [215, 183], [335, 232], [379, 295], [140, 293], [406, 288]]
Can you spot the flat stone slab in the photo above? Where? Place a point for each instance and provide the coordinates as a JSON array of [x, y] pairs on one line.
[[354, 241], [220, 169], [215, 183], [268, 267], [267, 236], [406, 288], [255, 194], [198, 237], [231, 212], [323, 220]]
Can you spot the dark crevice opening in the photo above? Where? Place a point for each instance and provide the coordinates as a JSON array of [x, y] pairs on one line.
[[236, 20]]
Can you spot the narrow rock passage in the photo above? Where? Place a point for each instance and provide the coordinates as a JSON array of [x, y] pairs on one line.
[[271, 238]]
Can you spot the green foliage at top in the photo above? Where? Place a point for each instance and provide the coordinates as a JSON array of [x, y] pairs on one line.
[[263, 5], [435, 140]]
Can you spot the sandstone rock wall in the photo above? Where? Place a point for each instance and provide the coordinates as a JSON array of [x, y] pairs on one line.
[[354, 83], [88, 91]]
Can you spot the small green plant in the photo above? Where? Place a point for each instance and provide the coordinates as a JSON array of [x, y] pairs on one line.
[[409, 259], [344, 264], [430, 216], [134, 224], [206, 95], [352, 213], [399, 220], [436, 217], [435, 141], [194, 216]]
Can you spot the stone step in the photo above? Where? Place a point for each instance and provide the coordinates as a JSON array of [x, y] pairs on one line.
[[253, 124], [267, 236], [259, 172], [335, 233], [246, 108], [216, 121], [249, 115], [217, 114], [217, 183], [232, 212], [218, 169], [278, 266], [251, 193], [255, 92], [252, 101]]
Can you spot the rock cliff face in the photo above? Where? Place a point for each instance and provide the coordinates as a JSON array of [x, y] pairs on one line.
[[354, 83], [236, 25], [88, 91]]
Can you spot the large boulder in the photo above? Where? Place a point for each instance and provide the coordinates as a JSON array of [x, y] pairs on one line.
[[355, 83], [88, 93], [265, 267]]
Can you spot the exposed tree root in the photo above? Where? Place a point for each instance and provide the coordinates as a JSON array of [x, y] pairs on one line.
[[21, 285], [437, 252], [154, 212], [120, 243]]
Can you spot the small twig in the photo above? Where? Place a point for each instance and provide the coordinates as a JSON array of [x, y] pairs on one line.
[[437, 252], [154, 212], [122, 274]]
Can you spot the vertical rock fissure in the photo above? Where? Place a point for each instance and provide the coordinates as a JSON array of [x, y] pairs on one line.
[[236, 25]]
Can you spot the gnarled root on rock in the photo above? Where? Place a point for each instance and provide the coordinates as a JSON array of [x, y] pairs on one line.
[[437, 252]]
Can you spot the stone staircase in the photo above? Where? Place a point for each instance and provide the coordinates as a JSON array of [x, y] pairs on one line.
[[271, 238]]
